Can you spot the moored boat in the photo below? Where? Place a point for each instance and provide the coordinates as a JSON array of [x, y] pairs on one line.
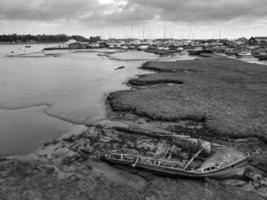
[[244, 54]]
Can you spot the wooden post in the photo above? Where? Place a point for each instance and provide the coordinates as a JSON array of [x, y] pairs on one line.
[[193, 158], [136, 161]]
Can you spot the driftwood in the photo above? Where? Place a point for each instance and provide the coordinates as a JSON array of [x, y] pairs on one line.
[[192, 159]]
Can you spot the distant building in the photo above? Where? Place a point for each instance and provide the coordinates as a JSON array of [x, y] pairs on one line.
[[70, 41], [79, 45], [261, 40]]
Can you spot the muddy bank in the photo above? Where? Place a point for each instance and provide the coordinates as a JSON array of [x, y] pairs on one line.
[[67, 169]]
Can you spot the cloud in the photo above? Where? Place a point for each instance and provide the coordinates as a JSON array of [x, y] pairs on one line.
[[183, 11], [45, 10], [204, 10], [124, 11], [90, 15]]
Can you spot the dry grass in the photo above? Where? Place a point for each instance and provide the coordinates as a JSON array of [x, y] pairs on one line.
[[156, 79], [229, 96]]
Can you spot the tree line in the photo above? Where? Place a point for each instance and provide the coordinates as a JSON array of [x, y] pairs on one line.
[[14, 38]]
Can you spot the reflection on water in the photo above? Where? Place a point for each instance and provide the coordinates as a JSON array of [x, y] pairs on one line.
[[22, 131], [42, 97]]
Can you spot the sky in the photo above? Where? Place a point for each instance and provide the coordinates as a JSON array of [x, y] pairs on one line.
[[187, 19]]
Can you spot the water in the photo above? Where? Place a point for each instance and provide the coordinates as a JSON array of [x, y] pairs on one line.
[[47, 94], [22, 131], [251, 59], [143, 56], [43, 97], [133, 56], [177, 56]]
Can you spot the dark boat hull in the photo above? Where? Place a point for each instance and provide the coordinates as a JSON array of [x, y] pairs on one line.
[[262, 57], [194, 52]]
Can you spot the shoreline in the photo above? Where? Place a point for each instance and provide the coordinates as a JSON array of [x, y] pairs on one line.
[[70, 161]]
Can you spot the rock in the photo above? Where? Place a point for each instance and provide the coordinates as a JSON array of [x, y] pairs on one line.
[[258, 180], [70, 139], [61, 153]]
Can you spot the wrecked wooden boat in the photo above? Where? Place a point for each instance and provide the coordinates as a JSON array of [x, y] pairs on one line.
[[198, 159]]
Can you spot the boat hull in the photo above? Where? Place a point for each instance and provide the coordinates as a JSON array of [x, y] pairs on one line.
[[234, 170], [262, 57]]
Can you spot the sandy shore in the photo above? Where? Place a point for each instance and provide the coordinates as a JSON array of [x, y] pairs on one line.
[[216, 99]]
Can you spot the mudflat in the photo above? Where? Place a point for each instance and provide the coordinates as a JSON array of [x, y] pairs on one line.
[[214, 98]]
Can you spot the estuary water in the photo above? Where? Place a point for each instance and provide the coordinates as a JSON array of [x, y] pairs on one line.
[[44, 95]]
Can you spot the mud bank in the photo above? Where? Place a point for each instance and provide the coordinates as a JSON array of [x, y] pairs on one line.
[[67, 169]]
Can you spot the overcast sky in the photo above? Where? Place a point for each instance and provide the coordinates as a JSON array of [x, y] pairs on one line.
[[138, 18]]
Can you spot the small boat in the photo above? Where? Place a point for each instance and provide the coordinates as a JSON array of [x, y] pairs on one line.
[[121, 67], [244, 54], [208, 160], [229, 52], [28, 46]]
